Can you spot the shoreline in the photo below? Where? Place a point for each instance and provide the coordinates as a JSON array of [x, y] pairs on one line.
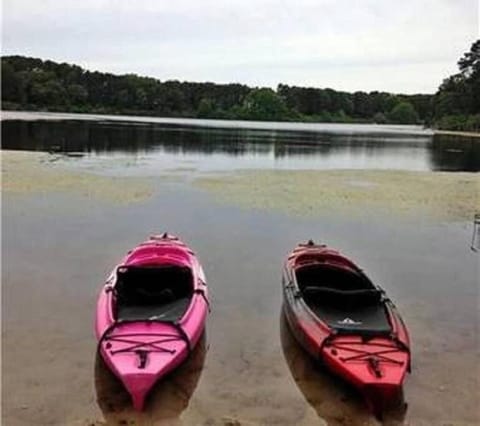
[[306, 126], [24, 115], [457, 133]]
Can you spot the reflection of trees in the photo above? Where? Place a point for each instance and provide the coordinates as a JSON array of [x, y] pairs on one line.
[[455, 153], [446, 152]]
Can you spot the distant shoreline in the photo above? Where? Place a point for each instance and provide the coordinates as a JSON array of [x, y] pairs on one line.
[[227, 123], [364, 128], [457, 133]]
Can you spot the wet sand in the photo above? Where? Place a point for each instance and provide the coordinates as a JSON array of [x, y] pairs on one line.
[[58, 247]]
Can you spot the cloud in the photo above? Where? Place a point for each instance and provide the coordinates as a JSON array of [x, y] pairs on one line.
[[404, 46]]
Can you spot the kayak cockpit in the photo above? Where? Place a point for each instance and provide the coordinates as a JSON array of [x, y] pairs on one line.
[[343, 298], [160, 293]]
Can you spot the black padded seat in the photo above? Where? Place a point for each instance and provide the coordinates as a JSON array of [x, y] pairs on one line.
[[172, 311], [369, 320], [349, 312], [346, 299]]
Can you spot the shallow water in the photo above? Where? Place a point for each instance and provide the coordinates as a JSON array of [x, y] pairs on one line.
[[57, 250], [155, 146]]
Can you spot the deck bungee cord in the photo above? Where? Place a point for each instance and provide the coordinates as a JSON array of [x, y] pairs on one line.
[[166, 337]]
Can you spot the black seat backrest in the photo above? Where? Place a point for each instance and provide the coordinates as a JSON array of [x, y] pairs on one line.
[[138, 286], [348, 299], [323, 275]]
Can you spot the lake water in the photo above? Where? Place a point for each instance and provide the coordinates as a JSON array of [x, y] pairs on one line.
[[59, 247], [154, 146]]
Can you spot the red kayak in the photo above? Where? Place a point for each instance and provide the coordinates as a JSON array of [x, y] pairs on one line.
[[342, 319]]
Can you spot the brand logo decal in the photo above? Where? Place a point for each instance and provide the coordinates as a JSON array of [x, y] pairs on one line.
[[349, 321]]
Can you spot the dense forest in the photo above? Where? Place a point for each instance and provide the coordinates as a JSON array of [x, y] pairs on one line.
[[34, 84]]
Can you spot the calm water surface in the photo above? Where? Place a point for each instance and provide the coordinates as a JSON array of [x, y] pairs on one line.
[[152, 148]]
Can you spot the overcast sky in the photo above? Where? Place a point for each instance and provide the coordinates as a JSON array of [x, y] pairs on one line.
[[405, 46]]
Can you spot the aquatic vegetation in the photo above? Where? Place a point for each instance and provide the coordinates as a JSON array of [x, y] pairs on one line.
[[440, 195], [25, 172]]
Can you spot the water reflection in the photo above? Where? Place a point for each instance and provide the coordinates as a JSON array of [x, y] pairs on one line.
[[455, 153], [165, 403], [334, 401], [164, 145]]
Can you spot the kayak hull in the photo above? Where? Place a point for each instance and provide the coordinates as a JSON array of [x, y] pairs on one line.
[[140, 352]]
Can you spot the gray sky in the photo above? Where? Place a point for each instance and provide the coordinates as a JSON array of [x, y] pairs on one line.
[[405, 46]]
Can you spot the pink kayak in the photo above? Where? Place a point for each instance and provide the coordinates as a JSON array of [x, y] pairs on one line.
[[151, 313]]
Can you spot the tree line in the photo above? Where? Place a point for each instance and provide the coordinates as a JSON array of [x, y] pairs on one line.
[[34, 84], [456, 105]]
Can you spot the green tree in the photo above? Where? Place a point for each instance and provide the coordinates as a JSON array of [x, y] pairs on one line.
[[264, 104], [77, 94], [460, 93], [12, 87], [379, 118], [48, 93], [363, 104], [403, 113], [206, 109], [469, 64]]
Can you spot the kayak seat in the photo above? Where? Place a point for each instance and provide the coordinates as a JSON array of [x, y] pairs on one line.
[[332, 277], [160, 292], [342, 298], [171, 311], [360, 312]]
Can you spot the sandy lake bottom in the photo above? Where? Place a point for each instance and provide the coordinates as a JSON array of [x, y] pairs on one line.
[[62, 231]]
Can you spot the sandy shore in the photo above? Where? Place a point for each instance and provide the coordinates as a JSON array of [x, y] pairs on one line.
[[450, 196], [25, 172], [457, 133]]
